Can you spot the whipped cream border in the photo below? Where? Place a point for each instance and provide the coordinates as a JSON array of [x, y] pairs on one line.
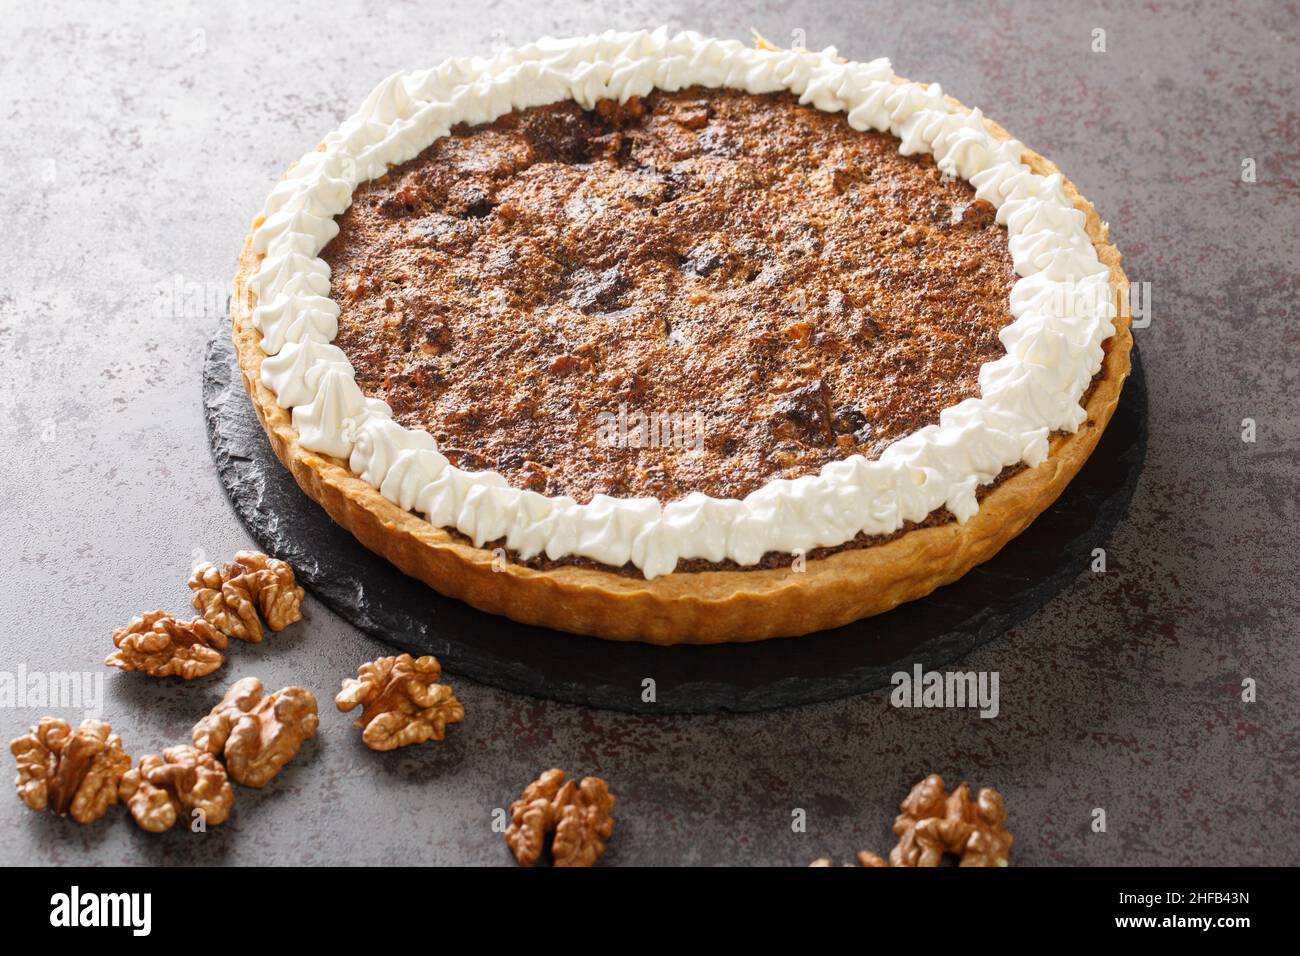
[[1061, 306]]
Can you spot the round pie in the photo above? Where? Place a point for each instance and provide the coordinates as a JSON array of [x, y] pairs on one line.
[[666, 338]]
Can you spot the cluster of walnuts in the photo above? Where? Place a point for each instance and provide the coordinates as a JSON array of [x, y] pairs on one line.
[[85, 771], [233, 600], [934, 822], [248, 737]]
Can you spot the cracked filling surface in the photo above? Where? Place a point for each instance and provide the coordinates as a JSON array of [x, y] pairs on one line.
[[694, 291]]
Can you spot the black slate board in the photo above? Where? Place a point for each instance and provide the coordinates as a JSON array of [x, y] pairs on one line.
[[937, 630]]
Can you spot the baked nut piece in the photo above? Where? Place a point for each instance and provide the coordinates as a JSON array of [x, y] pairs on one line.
[[864, 858], [70, 772], [579, 814], [160, 645], [230, 597], [703, 364], [933, 823], [182, 781], [257, 733], [401, 701]]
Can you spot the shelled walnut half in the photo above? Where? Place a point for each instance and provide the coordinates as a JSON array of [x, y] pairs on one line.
[[579, 814], [231, 596], [160, 645], [257, 733], [402, 702], [181, 782], [70, 772], [933, 823]]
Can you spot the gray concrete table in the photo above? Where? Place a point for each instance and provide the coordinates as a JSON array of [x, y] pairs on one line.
[[137, 146]]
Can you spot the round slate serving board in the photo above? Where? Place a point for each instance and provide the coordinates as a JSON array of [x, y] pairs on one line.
[[373, 595]]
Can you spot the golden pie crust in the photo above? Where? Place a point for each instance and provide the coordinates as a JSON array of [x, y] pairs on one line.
[[703, 607]]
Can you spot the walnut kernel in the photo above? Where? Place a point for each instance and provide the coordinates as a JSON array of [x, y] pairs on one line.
[[257, 733], [933, 823], [401, 701], [180, 782], [70, 772], [159, 645], [231, 596], [578, 813]]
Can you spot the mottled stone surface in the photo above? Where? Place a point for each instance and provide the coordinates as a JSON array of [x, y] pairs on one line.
[[136, 147]]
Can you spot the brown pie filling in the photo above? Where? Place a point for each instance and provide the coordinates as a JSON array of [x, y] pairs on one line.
[[693, 291]]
